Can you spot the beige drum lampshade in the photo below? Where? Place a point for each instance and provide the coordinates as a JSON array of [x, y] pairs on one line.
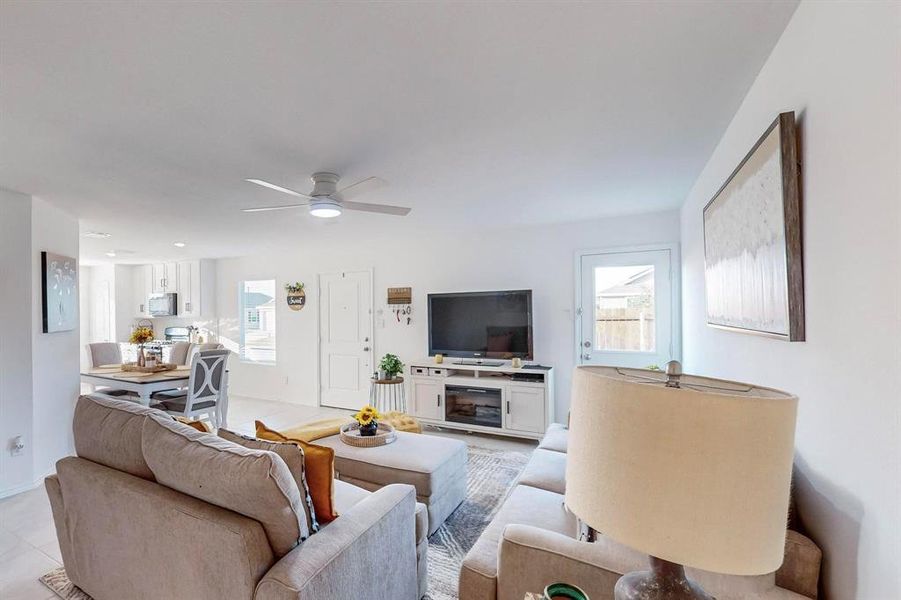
[[697, 475]]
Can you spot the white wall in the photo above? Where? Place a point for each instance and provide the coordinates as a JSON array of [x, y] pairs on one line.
[[15, 340], [55, 356], [837, 65], [537, 258], [39, 379]]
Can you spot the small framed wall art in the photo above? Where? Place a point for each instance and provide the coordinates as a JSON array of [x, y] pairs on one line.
[[59, 292], [752, 241]]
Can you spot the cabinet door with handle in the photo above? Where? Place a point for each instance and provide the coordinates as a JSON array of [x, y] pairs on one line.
[[188, 288], [158, 271], [428, 401], [525, 409]]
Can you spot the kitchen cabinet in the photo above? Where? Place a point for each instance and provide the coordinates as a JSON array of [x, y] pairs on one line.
[[188, 276], [164, 277], [142, 284], [193, 281]]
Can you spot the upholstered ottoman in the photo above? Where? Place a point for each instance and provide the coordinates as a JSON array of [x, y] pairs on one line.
[[435, 466]]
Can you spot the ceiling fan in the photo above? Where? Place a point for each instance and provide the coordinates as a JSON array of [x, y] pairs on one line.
[[327, 201]]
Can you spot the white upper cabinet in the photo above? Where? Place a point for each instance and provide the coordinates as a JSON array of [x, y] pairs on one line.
[[188, 288], [142, 284], [165, 277], [193, 281]]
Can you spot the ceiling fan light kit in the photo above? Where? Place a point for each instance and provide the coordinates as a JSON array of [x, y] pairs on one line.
[[325, 209], [326, 201]]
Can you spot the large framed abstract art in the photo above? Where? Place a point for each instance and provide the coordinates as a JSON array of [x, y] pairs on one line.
[[59, 292], [752, 241]]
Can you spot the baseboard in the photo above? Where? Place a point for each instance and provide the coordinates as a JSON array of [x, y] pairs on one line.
[[20, 488]]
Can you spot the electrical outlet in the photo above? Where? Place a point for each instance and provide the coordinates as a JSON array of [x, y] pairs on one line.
[[16, 446]]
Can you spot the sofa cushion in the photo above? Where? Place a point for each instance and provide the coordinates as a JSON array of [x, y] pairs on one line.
[[108, 432], [524, 506], [254, 483], [556, 438], [347, 495], [546, 470], [293, 457], [426, 462]]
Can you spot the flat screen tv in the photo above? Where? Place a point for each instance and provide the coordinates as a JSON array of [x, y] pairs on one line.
[[481, 324]]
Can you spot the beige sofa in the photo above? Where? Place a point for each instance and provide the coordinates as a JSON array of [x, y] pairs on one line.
[[532, 542], [228, 523]]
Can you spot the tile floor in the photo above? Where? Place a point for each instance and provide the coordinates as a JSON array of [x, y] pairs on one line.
[[28, 547]]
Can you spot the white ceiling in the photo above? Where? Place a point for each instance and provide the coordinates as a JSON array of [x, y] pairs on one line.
[[144, 119]]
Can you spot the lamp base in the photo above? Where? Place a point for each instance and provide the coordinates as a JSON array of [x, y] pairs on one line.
[[665, 581]]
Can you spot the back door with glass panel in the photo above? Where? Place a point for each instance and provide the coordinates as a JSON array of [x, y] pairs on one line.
[[626, 312]]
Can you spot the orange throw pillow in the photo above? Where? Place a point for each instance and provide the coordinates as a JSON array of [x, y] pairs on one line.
[[319, 468], [198, 425]]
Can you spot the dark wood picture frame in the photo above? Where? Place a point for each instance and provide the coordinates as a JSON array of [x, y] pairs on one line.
[[791, 212]]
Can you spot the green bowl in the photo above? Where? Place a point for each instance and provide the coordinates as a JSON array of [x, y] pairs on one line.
[[557, 591]]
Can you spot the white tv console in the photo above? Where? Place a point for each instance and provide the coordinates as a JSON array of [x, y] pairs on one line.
[[478, 397]]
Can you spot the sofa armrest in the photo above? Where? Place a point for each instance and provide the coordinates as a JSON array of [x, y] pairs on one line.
[[530, 558], [368, 553], [800, 571]]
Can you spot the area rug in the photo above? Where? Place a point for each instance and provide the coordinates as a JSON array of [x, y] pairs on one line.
[[490, 474]]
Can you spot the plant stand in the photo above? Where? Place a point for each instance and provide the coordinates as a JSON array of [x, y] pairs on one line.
[[388, 395]]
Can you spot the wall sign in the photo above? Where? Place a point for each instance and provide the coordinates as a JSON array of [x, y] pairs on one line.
[[400, 295], [296, 297]]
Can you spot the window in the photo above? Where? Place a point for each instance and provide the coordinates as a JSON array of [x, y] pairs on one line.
[[624, 308], [257, 309], [627, 313]]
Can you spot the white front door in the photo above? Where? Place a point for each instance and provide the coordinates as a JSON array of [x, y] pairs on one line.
[[627, 308], [345, 339]]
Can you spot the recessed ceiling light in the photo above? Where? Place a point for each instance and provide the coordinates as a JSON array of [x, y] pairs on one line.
[[97, 234], [179, 244], [111, 254]]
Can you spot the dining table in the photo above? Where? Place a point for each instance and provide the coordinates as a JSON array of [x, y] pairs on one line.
[[144, 385]]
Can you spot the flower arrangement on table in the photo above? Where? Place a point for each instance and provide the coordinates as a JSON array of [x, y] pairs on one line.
[[140, 336], [368, 418]]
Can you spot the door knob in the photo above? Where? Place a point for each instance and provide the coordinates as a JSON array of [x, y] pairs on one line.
[[365, 348], [586, 356], [587, 344]]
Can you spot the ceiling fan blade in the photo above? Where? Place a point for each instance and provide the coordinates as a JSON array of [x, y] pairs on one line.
[[361, 187], [385, 209], [268, 208], [278, 188]]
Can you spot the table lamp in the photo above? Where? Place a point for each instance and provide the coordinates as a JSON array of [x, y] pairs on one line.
[[690, 470]]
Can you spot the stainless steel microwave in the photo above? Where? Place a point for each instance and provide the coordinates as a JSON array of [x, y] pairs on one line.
[[163, 305]]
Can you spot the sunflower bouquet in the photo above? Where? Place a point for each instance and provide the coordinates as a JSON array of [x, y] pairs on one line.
[[140, 336], [368, 418]]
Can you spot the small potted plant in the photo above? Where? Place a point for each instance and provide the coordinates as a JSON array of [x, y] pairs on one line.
[[390, 366], [140, 336], [368, 418]]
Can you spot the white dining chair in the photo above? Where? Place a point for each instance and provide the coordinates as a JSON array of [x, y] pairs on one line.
[[206, 391], [106, 353]]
